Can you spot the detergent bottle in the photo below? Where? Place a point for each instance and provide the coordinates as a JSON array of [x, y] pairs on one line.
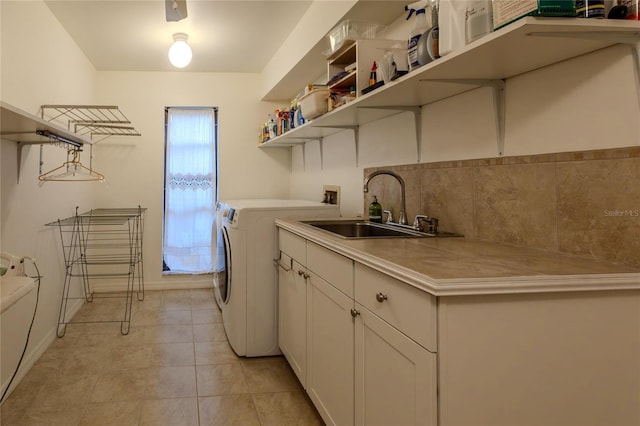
[[419, 28]]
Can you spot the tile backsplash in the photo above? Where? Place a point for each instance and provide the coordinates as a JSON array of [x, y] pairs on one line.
[[585, 203]]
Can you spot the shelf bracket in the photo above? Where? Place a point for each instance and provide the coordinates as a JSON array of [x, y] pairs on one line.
[[417, 119], [635, 53], [356, 137], [320, 141], [20, 148], [622, 37], [499, 97]]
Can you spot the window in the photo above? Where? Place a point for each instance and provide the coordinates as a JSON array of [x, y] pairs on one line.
[[190, 188]]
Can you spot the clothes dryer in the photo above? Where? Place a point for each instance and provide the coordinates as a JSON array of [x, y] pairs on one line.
[[245, 279]]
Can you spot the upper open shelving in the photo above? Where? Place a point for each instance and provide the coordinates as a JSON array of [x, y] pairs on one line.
[[525, 45]]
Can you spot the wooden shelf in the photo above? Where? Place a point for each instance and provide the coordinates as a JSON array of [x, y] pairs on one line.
[[525, 45], [345, 82]]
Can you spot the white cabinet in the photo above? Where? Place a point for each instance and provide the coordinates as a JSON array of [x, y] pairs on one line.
[[292, 300], [361, 343], [330, 334], [315, 324], [382, 352], [395, 378], [330, 352], [395, 373]]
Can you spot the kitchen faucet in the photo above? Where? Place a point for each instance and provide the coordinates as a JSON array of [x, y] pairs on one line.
[[402, 219]]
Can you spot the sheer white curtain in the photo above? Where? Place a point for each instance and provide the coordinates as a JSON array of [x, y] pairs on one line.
[[190, 189]]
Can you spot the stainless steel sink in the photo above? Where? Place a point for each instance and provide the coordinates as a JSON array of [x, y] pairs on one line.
[[360, 229]]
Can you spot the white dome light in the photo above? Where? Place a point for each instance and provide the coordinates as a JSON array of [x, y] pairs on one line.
[[180, 52]]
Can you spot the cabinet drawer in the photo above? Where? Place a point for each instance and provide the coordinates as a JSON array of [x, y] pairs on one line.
[[293, 245], [332, 267], [411, 311]]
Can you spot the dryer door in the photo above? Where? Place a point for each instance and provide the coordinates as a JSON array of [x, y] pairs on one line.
[[222, 276]]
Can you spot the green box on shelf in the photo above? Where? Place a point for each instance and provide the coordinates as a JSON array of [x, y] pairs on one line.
[[507, 11]]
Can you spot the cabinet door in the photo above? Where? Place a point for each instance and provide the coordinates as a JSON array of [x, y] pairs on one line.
[[330, 349], [395, 378], [292, 314]]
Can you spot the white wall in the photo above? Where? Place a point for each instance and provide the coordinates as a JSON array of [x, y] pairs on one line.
[[40, 64], [134, 165], [589, 102]]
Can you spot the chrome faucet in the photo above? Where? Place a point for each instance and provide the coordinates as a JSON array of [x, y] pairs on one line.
[[432, 223], [402, 219], [389, 216]]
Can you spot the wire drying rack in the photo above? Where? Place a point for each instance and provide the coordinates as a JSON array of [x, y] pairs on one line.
[[91, 120], [104, 243]]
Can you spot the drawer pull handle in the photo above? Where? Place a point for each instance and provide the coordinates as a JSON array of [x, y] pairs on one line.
[[354, 312], [381, 297], [304, 275]]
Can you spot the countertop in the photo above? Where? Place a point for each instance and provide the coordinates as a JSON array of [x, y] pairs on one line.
[[465, 266]]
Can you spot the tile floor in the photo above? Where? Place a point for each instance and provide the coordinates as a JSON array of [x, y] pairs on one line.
[[174, 368]]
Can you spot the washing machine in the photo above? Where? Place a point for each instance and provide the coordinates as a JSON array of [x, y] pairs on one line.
[[245, 279]]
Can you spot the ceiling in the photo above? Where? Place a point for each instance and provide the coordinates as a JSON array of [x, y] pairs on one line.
[[133, 35]]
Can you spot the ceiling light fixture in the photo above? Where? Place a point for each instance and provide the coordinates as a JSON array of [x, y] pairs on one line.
[[180, 52]]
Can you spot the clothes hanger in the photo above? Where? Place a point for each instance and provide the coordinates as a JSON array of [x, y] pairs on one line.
[[74, 171]]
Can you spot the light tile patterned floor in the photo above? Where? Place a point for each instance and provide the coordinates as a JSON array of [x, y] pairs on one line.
[[174, 368]]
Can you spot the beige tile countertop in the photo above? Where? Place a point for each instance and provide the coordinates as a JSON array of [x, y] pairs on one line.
[[463, 266]]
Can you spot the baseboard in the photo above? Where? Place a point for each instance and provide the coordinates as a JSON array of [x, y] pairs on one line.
[[32, 356]]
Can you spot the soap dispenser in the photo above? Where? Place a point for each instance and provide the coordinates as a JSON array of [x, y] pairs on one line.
[[375, 211]]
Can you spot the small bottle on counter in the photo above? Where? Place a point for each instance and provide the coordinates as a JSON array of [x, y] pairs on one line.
[[375, 210]]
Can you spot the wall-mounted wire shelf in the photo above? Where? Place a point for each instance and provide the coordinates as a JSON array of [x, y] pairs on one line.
[[104, 243], [91, 120], [86, 125]]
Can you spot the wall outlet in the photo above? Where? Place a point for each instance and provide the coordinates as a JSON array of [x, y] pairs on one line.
[[331, 194]]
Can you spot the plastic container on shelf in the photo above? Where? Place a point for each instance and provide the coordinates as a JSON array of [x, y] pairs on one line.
[[451, 19], [478, 20], [350, 29], [314, 103]]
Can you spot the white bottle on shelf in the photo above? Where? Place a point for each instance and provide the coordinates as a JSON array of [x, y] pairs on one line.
[[419, 28], [451, 21]]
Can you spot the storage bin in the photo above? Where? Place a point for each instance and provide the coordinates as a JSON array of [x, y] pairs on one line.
[[350, 29], [314, 103], [507, 11]]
